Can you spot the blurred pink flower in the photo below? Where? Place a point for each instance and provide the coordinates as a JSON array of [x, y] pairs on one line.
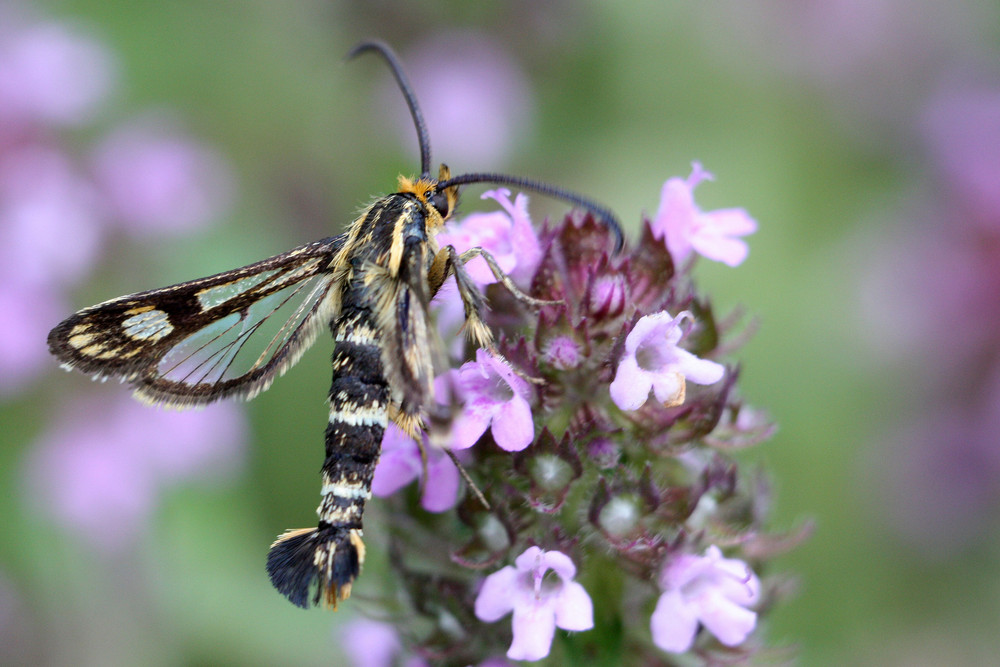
[[50, 220], [160, 180], [52, 73], [497, 398], [50, 234], [939, 479], [539, 603], [369, 643], [400, 464], [26, 315], [714, 591], [686, 228], [476, 101], [654, 361], [962, 128], [100, 469]]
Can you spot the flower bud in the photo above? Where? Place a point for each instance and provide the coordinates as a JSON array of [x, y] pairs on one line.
[[619, 517]]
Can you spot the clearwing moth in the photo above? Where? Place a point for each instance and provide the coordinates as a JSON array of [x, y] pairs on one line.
[[231, 334]]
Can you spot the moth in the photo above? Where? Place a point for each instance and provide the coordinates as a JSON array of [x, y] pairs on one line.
[[232, 334]]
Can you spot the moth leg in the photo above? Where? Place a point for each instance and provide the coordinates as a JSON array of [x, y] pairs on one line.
[[449, 262], [503, 278]]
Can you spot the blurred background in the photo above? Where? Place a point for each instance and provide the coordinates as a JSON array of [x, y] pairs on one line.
[[147, 143]]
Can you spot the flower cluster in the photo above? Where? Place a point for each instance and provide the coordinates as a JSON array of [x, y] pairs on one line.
[[612, 519]]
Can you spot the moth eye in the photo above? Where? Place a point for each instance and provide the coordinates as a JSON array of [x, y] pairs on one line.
[[439, 200]]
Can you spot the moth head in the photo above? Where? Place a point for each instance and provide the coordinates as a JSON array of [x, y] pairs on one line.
[[438, 203], [444, 200]]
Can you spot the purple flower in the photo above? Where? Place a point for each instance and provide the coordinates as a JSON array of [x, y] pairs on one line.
[[26, 315], [99, 471], [476, 100], [710, 590], [53, 73], [370, 643], [685, 227], [158, 179], [496, 397], [50, 232], [50, 219], [539, 603], [400, 464], [654, 361], [509, 236], [562, 352], [964, 136]]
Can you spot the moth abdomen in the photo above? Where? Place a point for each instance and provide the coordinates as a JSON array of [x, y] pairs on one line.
[[316, 566]]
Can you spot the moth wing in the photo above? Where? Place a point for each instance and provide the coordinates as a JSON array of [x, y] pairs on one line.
[[230, 334]]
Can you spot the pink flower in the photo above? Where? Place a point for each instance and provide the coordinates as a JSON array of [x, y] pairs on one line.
[[654, 361], [400, 464], [509, 236], [26, 315], [53, 73], [962, 129], [100, 471], [476, 100], [563, 352], [539, 603], [496, 398], [685, 227], [710, 590], [158, 179], [51, 220], [370, 643]]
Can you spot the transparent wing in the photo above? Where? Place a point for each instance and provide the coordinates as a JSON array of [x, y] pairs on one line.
[[229, 334]]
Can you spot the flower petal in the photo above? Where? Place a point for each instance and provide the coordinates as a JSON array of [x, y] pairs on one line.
[[729, 251], [469, 426], [534, 627], [698, 370], [574, 609], [559, 563], [630, 388], [496, 596], [441, 488], [395, 470], [648, 326], [669, 388], [673, 623], [730, 222], [513, 428], [728, 621]]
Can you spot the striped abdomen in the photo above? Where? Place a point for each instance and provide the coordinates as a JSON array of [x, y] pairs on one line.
[[324, 561]]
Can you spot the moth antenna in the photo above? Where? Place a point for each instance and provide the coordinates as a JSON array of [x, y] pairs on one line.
[[607, 217], [389, 56]]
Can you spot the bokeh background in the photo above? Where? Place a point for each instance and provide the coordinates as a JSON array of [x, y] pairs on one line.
[[147, 143]]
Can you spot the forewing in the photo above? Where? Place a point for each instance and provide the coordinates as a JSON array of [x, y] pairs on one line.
[[229, 334]]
